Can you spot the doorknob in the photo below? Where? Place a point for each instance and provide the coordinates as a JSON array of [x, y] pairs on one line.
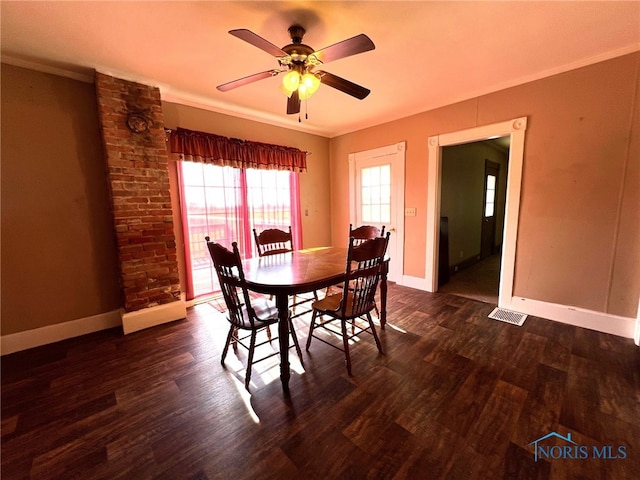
[[392, 230]]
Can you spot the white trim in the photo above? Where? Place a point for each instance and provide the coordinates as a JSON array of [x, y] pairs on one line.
[[636, 336], [37, 337], [152, 316], [413, 282], [579, 317], [516, 129]]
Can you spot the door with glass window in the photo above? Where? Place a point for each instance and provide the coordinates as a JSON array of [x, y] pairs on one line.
[[377, 193], [225, 204]]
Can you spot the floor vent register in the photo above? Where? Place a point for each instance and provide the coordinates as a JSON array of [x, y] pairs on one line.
[[508, 316]]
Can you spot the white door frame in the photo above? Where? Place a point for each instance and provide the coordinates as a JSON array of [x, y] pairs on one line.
[[397, 198], [516, 129], [636, 335]]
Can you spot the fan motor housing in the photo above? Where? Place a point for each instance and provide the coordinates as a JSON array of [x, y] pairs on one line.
[[297, 51]]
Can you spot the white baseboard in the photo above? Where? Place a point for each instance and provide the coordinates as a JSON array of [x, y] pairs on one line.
[[414, 282], [130, 322], [37, 337], [580, 317], [152, 316]]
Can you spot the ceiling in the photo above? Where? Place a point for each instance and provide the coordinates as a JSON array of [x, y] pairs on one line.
[[427, 55]]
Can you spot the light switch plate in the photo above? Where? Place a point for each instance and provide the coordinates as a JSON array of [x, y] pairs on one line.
[[410, 212]]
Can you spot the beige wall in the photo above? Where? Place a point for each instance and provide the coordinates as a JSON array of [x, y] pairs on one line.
[[58, 252], [578, 240]]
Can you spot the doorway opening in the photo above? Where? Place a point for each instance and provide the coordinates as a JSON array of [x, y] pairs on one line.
[[515, 130], [472, 205]]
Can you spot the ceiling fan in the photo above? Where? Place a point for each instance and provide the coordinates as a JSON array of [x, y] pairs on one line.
[[299, 61]]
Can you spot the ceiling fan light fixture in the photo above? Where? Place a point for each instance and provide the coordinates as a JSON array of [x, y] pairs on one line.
[[309, 84], [297, 61], [287, 92], [290, 82]]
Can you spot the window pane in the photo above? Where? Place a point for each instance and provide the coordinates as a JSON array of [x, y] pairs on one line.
[[268, 200], [488, 210], [491, 182], [376, 194], [366, 177], [191, 173], [375, 213], [366, 213], [366, 195]]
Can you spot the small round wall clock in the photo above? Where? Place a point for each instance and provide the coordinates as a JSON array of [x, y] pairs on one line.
[[137, 123]]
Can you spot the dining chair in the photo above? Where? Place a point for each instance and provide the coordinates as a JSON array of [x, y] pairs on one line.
[[274, 241], [360, 234], [357, 299], [365, 232], [247, 315]]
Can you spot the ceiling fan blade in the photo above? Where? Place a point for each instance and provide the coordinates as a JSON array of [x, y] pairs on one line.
[[351, 46], [343, 85], [293, 103], [246, 80], [257, 41]]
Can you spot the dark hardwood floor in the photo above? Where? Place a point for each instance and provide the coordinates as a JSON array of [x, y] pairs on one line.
[[456, 396]]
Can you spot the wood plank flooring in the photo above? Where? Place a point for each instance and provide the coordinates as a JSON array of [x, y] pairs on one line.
[[456, 396]]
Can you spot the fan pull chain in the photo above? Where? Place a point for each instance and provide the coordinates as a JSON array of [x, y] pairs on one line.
[[306, 112]]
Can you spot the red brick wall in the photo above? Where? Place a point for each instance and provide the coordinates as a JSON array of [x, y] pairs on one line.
[[137, 171]]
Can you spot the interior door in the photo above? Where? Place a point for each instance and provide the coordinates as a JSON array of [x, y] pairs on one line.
[[491, 171], [377, 198]]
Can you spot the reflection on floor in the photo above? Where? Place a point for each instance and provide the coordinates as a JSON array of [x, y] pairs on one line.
[[478, 282]]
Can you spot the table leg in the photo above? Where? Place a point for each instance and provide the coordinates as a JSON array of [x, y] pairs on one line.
[[282, 302], [383, 294]]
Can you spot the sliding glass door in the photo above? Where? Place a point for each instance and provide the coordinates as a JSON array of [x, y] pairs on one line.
[[225, 204]]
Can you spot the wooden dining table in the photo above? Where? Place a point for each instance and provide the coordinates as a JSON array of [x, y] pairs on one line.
[[297, 272]]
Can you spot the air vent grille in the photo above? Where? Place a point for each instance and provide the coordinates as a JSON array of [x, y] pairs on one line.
[[508, 316]]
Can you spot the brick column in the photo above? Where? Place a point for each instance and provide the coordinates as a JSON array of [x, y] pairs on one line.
[[137, 171]]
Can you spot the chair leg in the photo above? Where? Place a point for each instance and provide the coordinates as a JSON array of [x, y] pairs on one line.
[[234, 339], [345, 341], [268, 333], [373, 331], [252, 347], [226, 345], [311, 327], [295, 342]]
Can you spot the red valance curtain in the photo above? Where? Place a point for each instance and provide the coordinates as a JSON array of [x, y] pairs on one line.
[[232, 152]]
